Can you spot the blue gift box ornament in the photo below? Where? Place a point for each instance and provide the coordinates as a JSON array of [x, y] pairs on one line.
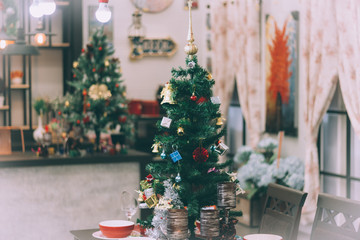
[[175, 156]]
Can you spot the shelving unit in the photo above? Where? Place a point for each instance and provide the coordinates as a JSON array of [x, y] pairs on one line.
[[70, 47]]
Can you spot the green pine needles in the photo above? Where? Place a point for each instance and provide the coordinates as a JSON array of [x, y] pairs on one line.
[[195, 133], [98, 100]]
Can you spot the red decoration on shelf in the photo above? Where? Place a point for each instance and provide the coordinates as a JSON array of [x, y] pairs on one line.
[[193, 98], [200, 154], [78, 121], [201, 100]]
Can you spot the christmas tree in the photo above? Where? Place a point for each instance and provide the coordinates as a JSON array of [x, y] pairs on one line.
[[98, 100], [189, 142]]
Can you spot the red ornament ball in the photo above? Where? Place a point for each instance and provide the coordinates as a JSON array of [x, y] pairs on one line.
[[193, 98], [84, 93], [117, 85], [82, 50], [122, 119], [94, 69], [59, 113], [78, 121], [74, 76], [200, 154], [88, 105], [100, 48]]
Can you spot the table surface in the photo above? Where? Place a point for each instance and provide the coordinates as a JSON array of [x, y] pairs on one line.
[[85, 234], [19, 159]]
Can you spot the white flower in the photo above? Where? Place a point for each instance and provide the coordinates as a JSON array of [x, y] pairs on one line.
[[267, 142]]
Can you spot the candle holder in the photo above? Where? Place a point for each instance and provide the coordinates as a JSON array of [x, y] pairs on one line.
[[177, 224], [209, 223], [226, 197]]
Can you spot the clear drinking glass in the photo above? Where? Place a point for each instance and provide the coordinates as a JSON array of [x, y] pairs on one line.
[[129, 204]]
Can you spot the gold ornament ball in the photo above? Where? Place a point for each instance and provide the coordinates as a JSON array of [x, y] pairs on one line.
[[190, 49], [180, 131], [105, 114], [75, 64], [209, 77], [106, 63], [67, 103]]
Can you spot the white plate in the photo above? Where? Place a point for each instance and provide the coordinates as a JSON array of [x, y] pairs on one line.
[[99, 235], [259, 236]]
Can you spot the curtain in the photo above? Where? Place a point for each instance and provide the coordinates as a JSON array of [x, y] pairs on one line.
[[348, 26], [236, 54], [319, 74], [221, 64], [246, 56]]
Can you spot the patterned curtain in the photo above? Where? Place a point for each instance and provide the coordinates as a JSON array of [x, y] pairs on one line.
[[348, 27], [246, 42], [221, 64], [236, 54], [319, 74]]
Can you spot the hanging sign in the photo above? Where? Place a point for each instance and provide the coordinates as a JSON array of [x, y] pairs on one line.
[[153, 47]]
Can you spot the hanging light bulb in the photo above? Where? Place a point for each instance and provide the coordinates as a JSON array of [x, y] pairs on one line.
[[48, 6], [2, 44], [40, 38], [103, 13], [35, 9]]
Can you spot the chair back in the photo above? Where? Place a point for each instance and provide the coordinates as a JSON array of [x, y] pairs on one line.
[[336, 218], [282, 211]]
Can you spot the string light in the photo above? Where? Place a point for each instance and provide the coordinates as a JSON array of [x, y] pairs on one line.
[[48, 6], [35, 9], [103, 13], [40, 38]]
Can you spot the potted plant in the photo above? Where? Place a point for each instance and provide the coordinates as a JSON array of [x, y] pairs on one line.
[[259, 167], [41, 107]]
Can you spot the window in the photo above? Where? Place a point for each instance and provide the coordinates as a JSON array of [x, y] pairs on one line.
[[339, 149], [236, 133]]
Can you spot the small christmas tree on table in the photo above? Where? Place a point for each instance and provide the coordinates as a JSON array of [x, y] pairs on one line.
[[99, 99], [189, 143]]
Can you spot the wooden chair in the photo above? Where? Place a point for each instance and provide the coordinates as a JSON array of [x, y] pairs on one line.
[[282, 211], [336, 218]]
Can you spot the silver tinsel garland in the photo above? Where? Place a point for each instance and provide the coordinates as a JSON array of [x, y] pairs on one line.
[[169, 200]]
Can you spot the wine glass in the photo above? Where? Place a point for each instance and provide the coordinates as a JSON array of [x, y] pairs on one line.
[[129, 204]]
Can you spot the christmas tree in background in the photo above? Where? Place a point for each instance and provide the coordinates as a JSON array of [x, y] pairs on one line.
[[98, 100], [189, 143]]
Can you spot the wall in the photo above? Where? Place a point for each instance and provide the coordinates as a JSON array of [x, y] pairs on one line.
[[39, 203], [143, 77]]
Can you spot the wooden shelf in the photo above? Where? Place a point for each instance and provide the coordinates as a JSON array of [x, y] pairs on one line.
[[53, 45], [62, 3], [4, 108], [20, 86]]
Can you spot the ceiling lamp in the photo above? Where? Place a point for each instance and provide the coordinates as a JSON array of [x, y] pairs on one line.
[[48, 6], [103, 13], [35, 9]]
